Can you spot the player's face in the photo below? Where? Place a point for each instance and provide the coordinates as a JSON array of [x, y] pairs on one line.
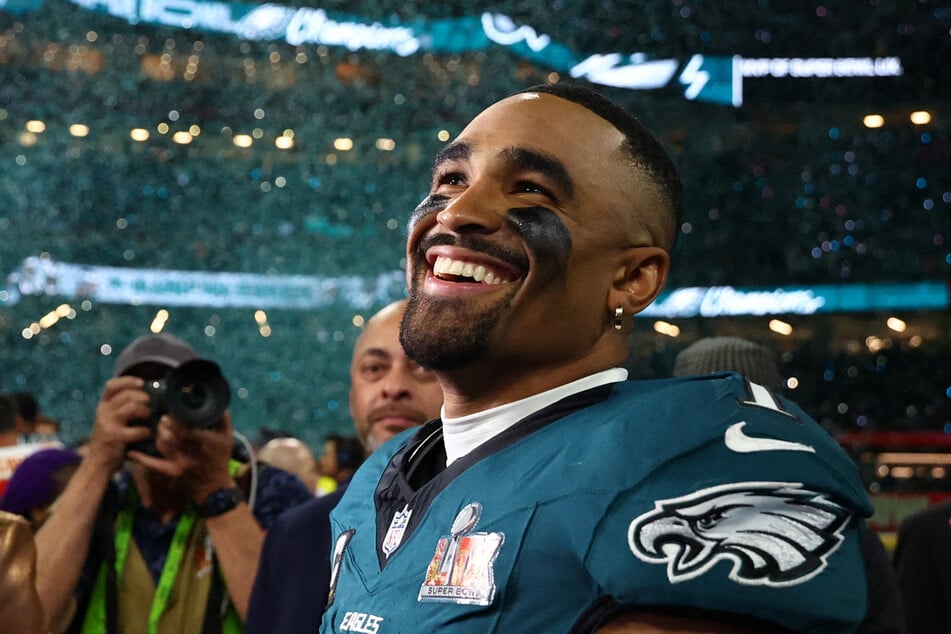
[[511, 256], [388, 391]]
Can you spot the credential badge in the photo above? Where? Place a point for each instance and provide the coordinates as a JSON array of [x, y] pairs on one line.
[[461, 570], [394, 534]]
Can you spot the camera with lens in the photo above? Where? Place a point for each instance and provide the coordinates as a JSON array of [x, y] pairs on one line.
[[195, 393]]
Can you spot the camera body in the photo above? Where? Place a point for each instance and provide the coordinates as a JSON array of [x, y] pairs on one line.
[[195, 393]]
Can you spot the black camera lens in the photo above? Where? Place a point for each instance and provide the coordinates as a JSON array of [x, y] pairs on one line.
[[196, 393]]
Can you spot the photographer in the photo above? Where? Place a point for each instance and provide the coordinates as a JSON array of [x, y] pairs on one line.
[[154, 533]]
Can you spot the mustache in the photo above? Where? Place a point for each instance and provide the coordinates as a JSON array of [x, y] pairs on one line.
[[540, 228], [391, 410], [516, 259]]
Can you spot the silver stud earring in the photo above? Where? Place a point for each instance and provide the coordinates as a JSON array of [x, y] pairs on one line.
[[618, 318]]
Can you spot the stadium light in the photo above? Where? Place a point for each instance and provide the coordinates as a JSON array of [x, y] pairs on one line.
[[780, 327], [666, 328], [159, 321], [896, 324]]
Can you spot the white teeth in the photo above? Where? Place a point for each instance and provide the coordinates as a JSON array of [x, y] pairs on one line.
[[447, 266], [442, 266]]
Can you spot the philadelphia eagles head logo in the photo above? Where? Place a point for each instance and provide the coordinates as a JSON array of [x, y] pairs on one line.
[[774, 533]]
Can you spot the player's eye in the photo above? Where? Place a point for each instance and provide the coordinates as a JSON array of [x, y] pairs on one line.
[[531, 187], [453, 179]]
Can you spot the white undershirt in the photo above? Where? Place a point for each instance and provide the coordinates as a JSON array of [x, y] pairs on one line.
[[462, 435]]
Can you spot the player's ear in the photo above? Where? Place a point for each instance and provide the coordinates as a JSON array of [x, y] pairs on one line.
[[639, 279]]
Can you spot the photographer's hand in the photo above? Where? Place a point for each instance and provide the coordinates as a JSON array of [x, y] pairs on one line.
[[199, 456], [122, 402]]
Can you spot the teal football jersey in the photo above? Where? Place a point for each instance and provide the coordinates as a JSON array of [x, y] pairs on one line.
[[696, 493]]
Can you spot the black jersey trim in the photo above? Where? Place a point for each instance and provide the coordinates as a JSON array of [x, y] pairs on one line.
[[417, 473], [606, 608], [600, 612]]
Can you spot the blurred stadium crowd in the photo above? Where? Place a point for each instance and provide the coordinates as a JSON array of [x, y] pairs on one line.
[[789, 189]]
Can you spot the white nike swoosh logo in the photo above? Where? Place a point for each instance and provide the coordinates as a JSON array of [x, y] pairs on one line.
[[737, 440]]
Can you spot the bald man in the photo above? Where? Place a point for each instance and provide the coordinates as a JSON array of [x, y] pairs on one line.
[[291, 455], [389, 393]]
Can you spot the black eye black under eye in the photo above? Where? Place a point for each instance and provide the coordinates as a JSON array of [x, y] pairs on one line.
[[433, 201]]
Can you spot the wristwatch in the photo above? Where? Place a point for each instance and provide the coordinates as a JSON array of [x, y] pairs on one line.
[[220, 502]]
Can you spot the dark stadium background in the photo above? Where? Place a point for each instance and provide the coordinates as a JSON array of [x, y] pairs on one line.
[[789, 188]]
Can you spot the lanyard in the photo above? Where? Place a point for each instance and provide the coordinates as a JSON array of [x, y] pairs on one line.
[[173, 558]]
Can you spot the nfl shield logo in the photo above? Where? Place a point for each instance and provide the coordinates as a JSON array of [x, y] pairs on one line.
[[394, 534]]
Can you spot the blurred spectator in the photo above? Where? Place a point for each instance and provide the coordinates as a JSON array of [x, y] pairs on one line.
[[37, 482], [389, 393], [20, 608], [341, 457], [292, 455], [923, 562], [719, 354], [13, 449], [760, 365], [27, 411], [180, 504], [267, 434], [8, 421], [46, 428]]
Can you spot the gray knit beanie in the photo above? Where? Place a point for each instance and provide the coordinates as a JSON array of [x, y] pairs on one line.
[[718, 354]]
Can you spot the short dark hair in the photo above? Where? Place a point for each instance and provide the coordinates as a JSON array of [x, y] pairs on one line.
[[350, 451], [645, 150], [8, 413], [26, 405]]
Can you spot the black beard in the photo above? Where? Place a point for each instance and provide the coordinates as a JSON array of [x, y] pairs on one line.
[[438, 334]]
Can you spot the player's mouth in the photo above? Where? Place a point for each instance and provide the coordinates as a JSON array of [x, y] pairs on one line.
[[454, 269]]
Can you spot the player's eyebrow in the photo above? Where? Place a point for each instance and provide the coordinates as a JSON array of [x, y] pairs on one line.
[[549, 166], [454, 152]]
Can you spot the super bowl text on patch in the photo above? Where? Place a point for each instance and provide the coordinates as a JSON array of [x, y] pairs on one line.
[[360, 622], [461, 570]]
